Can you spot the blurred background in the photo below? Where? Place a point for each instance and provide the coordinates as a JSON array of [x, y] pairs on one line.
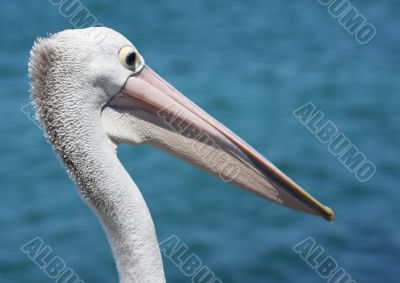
[[249, 64]]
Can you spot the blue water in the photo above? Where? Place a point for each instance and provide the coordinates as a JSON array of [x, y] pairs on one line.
[[250, 64]]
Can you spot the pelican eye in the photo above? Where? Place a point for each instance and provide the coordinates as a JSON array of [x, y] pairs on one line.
[[131, 59]]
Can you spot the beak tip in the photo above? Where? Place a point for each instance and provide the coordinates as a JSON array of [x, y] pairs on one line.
[[329, 214]]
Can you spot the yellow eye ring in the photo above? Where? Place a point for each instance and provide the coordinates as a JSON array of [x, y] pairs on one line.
[[130, 58]]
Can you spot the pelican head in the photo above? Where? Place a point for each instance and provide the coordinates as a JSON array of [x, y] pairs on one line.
[[91, 95]]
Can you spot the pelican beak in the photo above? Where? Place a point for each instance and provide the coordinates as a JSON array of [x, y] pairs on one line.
[[149, 110]]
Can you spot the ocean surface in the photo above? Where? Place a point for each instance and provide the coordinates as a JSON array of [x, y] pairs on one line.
[[250, 64]]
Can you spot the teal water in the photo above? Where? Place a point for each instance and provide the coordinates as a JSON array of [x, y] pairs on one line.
[[249, 64]]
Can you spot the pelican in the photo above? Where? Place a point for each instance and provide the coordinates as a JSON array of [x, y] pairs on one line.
[[91, 95]]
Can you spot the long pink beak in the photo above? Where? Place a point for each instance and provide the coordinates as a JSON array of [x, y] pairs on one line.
[[181, 128]]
